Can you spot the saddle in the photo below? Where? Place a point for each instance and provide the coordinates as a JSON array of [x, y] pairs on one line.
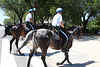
[[62, 38], [56, 29]]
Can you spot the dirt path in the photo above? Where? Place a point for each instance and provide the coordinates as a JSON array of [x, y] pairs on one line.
[[86, 52]]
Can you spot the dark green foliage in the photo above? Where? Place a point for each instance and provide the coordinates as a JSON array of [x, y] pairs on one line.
[[73, 11]]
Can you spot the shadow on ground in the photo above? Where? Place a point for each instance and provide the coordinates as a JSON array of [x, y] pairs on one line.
[[79, 64], [48, 54]]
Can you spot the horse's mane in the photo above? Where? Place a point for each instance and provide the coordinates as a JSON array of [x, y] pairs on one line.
[[71, 28], [38, 26]]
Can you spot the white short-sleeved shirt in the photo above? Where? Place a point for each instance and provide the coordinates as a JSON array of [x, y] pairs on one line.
[[57, 19], [29, 15]]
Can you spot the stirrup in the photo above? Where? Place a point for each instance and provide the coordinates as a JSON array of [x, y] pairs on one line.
[[58, 38]]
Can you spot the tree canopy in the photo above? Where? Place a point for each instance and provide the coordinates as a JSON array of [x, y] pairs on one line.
[[75, 12], [16, 7]]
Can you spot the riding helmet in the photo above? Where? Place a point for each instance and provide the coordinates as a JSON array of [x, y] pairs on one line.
[[59, 9], [31, 10]]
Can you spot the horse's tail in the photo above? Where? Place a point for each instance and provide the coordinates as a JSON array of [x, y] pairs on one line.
[[27, 39], [5, 32], [4, 35]]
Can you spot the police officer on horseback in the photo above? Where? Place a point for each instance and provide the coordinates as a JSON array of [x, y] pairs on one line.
[[58, 22], [29, 21]]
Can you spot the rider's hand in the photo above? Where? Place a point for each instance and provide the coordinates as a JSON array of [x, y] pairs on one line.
[[32, 23], [61, 24]]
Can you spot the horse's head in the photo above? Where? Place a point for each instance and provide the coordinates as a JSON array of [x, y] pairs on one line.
[[8, 29], [75, 31]]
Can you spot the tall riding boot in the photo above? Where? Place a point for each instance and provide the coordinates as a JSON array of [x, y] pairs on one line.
[[63, 47]]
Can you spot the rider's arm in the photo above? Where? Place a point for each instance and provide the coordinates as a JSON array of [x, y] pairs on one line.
[[31, 21], [61, 23]]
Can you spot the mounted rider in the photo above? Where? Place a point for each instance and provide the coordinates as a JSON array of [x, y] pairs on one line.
[[29, 22], [58, 23]]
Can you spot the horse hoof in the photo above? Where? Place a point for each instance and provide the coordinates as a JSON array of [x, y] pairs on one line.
[[59, 63], [70, 63], [10, 52], [20, 53]]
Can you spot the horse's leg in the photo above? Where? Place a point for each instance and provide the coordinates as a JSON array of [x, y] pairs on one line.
[[17, 40], [66, 58], [30, 56], [11, 41], [66, 54], [44, 52]]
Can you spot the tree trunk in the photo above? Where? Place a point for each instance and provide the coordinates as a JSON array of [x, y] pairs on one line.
[[42, 21], [84, 27], [14, 20], [85, 21], [21, 20]]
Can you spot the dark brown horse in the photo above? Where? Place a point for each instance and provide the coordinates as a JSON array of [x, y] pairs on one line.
[[21, 30], [45, 38]]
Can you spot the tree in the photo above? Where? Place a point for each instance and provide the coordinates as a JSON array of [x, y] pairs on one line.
[[8, 21], [43, 9], [12, 16], [18, 7], [73, 10], [90, 7], [29, 3], [42, 12]]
